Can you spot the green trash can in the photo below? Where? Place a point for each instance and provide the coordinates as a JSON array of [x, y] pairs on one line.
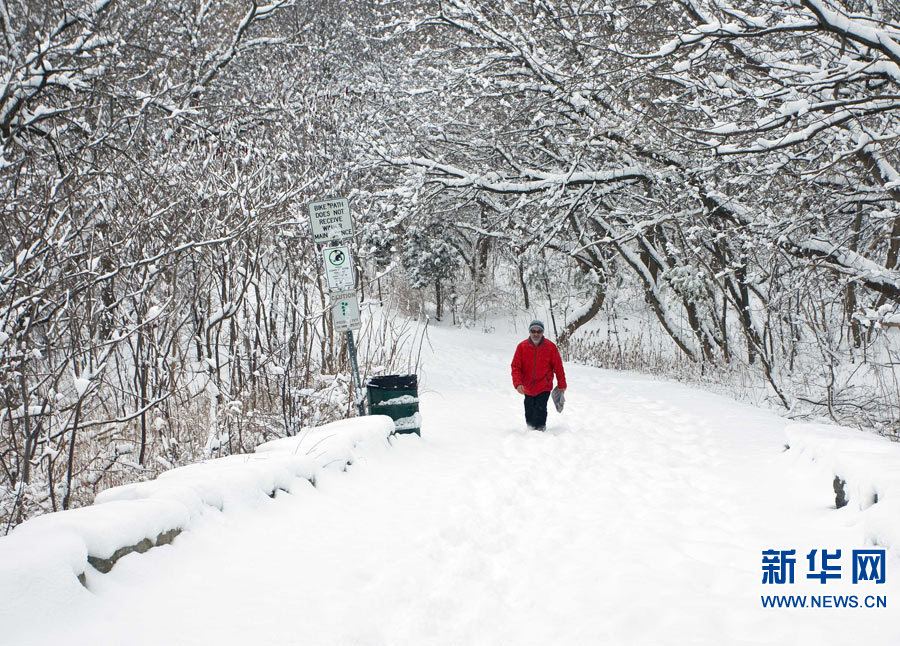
[[396, 396]]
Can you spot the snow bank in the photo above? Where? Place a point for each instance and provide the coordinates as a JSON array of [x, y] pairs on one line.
[[334, 443], [866, 468], [224, 483], [50, 553]]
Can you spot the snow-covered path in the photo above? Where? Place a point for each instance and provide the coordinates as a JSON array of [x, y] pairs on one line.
[[638, 518]]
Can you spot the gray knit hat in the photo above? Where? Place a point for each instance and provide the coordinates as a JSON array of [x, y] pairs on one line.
[[536, 323]]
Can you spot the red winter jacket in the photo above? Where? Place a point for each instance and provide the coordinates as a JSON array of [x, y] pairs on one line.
[[533, 367]]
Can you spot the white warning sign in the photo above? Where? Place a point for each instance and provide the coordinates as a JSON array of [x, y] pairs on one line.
[[330, 220], [345, 310], [338, 268]]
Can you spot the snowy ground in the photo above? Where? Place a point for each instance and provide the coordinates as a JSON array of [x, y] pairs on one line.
[[638, 518]]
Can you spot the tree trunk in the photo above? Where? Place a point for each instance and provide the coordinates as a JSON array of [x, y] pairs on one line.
[[141, 374], [592, 310], [741, 295], [70, 466], [439, 302], [850, 291], [871, 164], [521, 272], [646, 272]]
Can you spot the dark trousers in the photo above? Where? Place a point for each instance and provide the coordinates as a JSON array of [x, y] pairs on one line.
[[536, 410]]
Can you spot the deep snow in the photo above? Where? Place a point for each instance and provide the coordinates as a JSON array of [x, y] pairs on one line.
[[638, 518]]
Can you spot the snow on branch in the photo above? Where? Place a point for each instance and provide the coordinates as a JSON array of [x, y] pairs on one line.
[[793, 138], [222, 59], [872, 275], [813, 16], [531, 180], [49, 64], [884, 39]]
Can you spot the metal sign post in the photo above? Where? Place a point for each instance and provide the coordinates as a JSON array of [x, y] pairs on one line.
[[331, 224], [360, 396], [345, 312]]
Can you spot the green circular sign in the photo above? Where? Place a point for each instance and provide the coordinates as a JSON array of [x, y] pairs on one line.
[[336, 257]]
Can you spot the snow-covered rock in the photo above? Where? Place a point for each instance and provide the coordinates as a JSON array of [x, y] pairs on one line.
[[866, 469]]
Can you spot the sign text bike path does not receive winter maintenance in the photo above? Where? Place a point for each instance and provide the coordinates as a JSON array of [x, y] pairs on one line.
[[330, 220]]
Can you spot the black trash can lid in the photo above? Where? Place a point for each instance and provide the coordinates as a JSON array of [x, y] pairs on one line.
[[395, 382]]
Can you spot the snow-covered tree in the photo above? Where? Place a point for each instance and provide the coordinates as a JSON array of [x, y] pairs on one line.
[[159, 297], [735, 161]]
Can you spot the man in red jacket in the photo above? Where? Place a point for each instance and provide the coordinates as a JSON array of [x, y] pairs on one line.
[[533, 366]]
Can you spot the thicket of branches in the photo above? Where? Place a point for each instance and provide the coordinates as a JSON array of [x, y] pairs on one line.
[[733, 163], [160, 297]]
